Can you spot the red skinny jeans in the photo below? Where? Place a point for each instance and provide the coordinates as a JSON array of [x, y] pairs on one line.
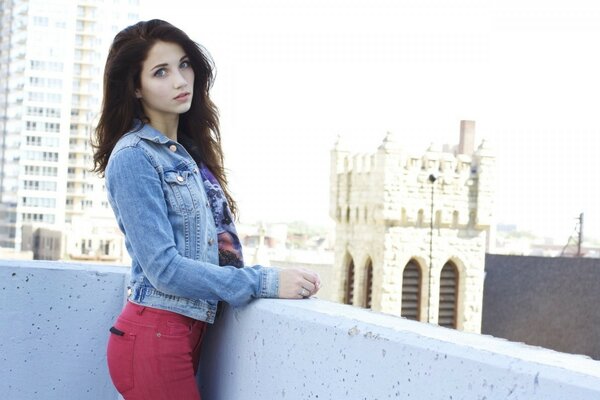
[[153, 354]]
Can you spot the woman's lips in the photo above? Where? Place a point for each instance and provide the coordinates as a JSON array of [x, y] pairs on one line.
[[183, 96]]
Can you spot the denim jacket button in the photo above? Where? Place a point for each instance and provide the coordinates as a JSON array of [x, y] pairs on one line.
[[210, 242], [179, 178], [173, 148]]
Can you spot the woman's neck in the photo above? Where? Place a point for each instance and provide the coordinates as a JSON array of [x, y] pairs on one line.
[[167, 126]]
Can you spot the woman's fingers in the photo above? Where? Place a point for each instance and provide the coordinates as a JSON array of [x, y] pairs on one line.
[[314, 279], [297, 283], [308, 286]]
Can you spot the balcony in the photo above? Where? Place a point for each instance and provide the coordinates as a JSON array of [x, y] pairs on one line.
[[79, 163], [77, 177], [55, 320]]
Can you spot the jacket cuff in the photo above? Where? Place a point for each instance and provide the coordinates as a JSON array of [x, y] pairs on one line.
[[269, 283]]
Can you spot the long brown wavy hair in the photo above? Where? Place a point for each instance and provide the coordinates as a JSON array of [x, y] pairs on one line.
[[198, 129]]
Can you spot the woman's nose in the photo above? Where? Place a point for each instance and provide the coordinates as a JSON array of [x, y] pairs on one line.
[[179, 81]]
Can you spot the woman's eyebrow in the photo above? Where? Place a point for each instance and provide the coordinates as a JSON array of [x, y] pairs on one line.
[[166, 64]]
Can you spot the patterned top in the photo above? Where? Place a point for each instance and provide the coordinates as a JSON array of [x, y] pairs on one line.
[[230, 248]]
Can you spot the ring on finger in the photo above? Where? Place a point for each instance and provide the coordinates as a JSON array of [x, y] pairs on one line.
[[304, 292]]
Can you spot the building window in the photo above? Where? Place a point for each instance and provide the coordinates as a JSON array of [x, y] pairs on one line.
[[38, 202], [86, 246], [52, 127], [369, 284], [37, 65], [455, 219], [36, 217], [105, 247], [448, 296], [33, 141], [472, 218], [39, 185], [349, 292], [411, 291], [420, 219], [40, 21]]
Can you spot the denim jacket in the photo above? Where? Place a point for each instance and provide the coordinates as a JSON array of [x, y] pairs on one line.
[[156, 192]]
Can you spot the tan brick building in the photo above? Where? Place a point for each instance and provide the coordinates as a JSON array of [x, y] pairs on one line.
[[412, 230]]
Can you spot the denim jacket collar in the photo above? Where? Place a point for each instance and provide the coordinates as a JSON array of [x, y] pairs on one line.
[[148, 132]]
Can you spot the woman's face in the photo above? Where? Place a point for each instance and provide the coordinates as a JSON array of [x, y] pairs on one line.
[[166, 82]]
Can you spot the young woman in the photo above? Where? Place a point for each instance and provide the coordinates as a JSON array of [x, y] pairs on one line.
[[158, 145]]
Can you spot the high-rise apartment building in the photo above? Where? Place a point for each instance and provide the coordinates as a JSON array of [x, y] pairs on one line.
[[52, 55]]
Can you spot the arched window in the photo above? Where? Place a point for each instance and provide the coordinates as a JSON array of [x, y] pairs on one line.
[[369, 284], [472, 218], [348, 215], [420, 219], [438, 218], [349, 292], [448, 296], [455, 219], [411, 291], [403, 217], [366, 215]]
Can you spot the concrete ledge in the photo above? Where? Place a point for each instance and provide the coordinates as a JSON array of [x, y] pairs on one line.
[[275, 349], [55, 319]]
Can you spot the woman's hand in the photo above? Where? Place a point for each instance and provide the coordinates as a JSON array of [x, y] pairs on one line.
[[295, 283]]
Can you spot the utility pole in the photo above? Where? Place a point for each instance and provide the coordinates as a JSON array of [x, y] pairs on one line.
[[580, 238], [432, 179], [579, 229]]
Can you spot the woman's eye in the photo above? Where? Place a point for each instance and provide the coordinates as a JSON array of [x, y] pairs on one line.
[[160, 72], [185, 64]]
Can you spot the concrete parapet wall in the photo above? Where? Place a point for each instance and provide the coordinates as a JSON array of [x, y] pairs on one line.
[[54, 320], [298, 350]]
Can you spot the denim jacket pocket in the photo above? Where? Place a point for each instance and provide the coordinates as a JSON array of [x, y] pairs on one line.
[[182, 191]]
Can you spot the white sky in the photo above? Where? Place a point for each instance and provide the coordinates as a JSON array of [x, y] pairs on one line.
[[292, 75]]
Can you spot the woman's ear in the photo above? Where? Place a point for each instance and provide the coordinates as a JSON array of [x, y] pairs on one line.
[[138, 93]]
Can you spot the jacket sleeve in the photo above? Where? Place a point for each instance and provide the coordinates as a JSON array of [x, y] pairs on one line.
[[136, 195]]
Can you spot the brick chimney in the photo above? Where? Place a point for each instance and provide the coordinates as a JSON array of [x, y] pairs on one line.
[[467, 137]]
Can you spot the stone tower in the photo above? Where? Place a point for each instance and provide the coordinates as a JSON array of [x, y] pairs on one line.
[[412, 230]]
